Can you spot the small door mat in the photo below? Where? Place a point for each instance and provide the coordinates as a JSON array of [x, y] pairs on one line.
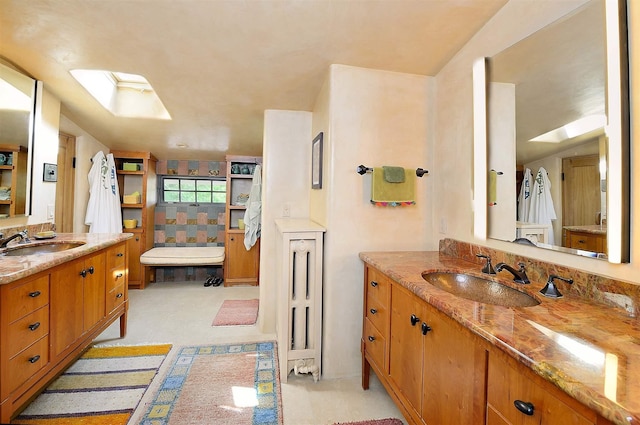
[[237, 312]]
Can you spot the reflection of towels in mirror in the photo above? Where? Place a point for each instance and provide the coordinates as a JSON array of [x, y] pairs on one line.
[[491, 196]]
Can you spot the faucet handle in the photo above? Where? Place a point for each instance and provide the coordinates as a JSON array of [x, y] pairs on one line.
[[550, 289], [488, 268]]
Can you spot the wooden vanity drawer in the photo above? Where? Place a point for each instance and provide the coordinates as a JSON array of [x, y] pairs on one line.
[[115, 278], [378, 314], [374, 344], [116, 257], [24, 332], [28, 362], [377, 286], [506, 385], [115, 297], [25, 298]]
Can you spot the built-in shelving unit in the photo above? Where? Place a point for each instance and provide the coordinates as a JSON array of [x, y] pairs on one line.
[[13, 180]]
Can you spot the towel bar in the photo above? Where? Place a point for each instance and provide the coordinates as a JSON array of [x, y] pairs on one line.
[[362, 170]]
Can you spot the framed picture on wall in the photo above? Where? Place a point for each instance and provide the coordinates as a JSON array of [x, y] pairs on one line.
[[316, 162]]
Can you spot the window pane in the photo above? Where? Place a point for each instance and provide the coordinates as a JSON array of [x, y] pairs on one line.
[[219, 198], [187, 184], [204, 197], [170, 196], [219, 186], [188, 196], [171, 184], [203, 185]]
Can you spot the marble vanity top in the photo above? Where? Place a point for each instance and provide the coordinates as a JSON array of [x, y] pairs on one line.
[[596, 229], [17, 267], [590, 351]]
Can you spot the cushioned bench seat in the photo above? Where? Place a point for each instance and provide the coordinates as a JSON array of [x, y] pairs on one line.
[[184, 256], [179, 256]]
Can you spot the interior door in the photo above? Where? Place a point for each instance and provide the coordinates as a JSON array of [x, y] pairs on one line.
[[66, 183], [581, 191]]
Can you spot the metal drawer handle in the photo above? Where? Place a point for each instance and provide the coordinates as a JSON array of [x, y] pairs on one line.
[[425, 328], [524, 406], [91, 269], [119, 295], [34, 326], [34, 358], [374, 283], [414, 319], [34, 294], [373, 311], [118, 275], [120, 254], [371, 338]]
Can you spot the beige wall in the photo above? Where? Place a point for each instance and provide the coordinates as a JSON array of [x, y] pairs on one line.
[[373, 118], [454, 133], [285, 180]]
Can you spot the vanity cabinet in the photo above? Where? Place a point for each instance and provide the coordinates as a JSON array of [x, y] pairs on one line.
[[436, 366], [241, 267], [510, 385], [48, 319], [78, 300], [439, 372], [586, 241]]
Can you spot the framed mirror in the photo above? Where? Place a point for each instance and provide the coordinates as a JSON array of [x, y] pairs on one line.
[[17, 117], [557, 136]]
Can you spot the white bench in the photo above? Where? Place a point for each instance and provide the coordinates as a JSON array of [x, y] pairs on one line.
[[181, 256]]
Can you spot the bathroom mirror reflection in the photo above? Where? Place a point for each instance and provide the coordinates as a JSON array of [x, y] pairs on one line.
[[17, 106], [553, 141]]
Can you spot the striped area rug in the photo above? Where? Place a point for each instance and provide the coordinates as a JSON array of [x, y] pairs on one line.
[[103, 387]]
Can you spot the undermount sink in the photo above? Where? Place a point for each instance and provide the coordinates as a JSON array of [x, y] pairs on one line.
[[479, 289], [42, 248]]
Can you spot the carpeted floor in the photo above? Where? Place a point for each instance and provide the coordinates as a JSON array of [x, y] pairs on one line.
[[220, 384], [237, 312], [102, 388]]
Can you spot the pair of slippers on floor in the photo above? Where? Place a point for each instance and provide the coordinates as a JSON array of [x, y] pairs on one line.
[[213, 281]]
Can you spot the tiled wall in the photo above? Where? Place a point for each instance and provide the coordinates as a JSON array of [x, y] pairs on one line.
[[187, 225]]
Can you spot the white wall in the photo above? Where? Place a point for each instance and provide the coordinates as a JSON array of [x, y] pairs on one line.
[[86, 147], [285, 180], [452, 177], [373, 118]]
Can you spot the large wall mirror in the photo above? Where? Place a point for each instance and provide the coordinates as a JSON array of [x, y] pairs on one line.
[[558, 136], [17, 116]]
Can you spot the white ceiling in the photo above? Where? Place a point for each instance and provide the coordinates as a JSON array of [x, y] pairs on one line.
[[218, 64]]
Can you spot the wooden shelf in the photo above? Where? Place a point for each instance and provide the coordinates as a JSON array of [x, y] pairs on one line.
[[132, 205], [130, 173]]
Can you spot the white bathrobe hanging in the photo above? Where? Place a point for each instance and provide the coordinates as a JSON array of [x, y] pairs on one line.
[[252, 215], [103, 210], [541, 210], [524, 198]]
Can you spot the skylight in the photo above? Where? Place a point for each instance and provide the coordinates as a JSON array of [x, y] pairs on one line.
[[122, 94], [573, 129]]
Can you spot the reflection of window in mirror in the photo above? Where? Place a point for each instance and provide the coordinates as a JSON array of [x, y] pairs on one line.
[[546, 102]]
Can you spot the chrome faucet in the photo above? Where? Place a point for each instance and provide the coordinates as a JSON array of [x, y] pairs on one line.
[[24, 235], [550, 289], [488, 268], [519, 276]]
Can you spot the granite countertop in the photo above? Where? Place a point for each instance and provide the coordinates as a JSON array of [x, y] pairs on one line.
[[596, 229], [17, 267], [590, 351]]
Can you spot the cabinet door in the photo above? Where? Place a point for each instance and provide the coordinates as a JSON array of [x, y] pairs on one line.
[[67, 306], [405, 347], [454, 373], [135, 247], [94, 290], [240, 263]]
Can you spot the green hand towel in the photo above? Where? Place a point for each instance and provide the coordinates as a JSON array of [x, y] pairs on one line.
[[385, 192], [393, 174]]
